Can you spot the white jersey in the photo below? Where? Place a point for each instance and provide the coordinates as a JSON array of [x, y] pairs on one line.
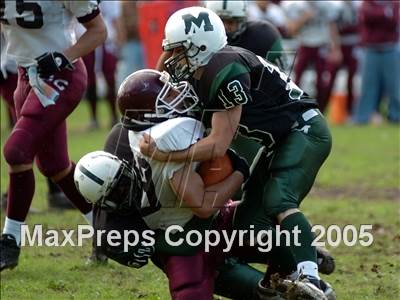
[[315, 32], [172, 135], [111, 11], [273, 14], [32, 28]]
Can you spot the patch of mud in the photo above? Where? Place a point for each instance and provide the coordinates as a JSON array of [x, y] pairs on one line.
[[361, 192]]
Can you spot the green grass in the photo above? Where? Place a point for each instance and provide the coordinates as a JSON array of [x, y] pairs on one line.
[[359, 184]]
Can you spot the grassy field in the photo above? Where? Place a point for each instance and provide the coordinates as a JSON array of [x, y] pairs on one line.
[[359, 184]]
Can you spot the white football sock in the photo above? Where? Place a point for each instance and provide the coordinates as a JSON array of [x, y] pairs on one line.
[[308, 268], [13, 227]]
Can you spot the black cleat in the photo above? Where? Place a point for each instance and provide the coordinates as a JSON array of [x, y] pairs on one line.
[[58, 200], [9, 252], [328, 290], [325, 261], [98, 257]]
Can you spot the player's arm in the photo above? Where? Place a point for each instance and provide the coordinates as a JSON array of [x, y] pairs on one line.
[[95, 35], [294, 25], [228, 99], [204, 201], [224, 125], [336, 52]]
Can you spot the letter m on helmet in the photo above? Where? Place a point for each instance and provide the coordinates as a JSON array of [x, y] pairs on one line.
[[203, 16]]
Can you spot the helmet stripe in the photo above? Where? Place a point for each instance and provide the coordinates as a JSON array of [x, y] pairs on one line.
[[91, 175]]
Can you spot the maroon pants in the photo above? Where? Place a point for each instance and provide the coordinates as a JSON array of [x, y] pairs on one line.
[[40, 131], [318, 56], [108, 63], [349, 63], [192, 277]]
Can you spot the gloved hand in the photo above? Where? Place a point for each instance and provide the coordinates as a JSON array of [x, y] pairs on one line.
[[52, 62], [141, 256], [239, 164]]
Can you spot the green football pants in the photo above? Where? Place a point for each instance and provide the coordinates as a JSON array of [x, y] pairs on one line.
[[295, 164]]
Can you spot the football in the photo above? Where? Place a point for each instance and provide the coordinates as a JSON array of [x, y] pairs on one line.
[[216, 170]]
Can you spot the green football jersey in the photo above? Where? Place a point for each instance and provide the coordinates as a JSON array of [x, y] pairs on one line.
[[271, 102]]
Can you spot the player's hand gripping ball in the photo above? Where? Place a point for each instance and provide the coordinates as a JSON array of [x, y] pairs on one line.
[[216, 170]]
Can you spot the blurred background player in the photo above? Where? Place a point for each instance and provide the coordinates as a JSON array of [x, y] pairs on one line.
[[349, 39], [103, 60], [268, 11], [8, 84], [379, 23], [51, 82], [260, 37], [312, 23], [131, 53]]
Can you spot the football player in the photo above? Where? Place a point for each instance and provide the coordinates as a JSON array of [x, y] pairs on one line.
[[51, 82], [240, 91], [138, 193], [260, 37], [8, 84]]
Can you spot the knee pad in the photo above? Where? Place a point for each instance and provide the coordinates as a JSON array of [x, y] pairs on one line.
[[20, 148]]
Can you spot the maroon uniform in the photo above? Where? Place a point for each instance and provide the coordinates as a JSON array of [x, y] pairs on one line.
[[49, 88]]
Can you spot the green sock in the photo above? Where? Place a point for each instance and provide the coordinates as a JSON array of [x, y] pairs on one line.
[[305, 252]]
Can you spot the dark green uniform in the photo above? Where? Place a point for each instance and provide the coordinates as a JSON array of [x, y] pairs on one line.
[[278, 115], [261, 38]]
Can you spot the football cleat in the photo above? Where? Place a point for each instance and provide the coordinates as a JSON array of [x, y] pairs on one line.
[[9, 252], [328, 290], [268, 293], [58, 200], [306, 288], [97, 257], [325, 261]]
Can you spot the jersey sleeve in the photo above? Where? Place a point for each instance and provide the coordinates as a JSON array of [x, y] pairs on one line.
[[84, 11], [226, 80], [173, 135], [233, 91]]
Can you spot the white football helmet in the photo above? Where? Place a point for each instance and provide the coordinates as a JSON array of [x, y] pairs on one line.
[[230, 10], [200, 32], [104, 179]]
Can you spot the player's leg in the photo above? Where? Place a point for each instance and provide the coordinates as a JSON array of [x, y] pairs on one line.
[[35, 123], [237, 280], [53, 162], [391, 76], [323, 69], [91, 92], [371, 87], [55, 197], [109, 68], [294, 169], [302, 60], [190, 277], [350, 62]]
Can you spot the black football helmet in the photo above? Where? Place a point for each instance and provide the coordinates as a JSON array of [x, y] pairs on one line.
[[147, 97]]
